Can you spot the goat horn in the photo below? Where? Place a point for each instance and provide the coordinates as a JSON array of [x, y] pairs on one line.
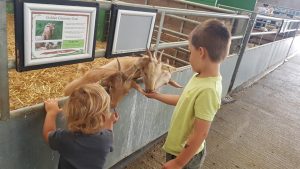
[[160, 56], [150, 54], [119, 65]]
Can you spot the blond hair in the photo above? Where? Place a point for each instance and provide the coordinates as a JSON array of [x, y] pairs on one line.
[[214, 36], [86, 108]]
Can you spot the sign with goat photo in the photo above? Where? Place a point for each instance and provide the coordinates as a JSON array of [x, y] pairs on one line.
[[130, 30], [54, 33]]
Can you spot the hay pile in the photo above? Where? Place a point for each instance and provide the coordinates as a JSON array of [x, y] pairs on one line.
[[33, 87]]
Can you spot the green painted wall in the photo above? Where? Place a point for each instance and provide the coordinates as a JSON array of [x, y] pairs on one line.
[[9, 7], [206, 2], [243, 4]]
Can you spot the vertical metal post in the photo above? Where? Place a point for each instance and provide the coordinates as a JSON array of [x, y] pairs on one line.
[[161, 23], [283, 35], [260, 39], [4, 95], [181, 30], [275, 36], [246, 38], [288, 53]]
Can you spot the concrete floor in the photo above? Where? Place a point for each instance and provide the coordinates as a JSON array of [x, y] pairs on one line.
[[260, 130]]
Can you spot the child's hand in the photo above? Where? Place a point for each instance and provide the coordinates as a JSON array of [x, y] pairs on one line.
[[111, 120], [150, 95], [51, 107], [172, 164]]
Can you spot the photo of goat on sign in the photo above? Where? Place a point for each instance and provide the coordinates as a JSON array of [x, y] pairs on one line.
[[47, 45], [119, 75], [48, 30]]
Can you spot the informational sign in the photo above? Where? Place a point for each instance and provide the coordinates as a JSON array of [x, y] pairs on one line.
[[130, 30], [54, 33]]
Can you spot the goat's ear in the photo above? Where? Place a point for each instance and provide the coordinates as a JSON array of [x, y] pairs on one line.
[[107, 81], [131, 76], [137, 87], [174, 84]]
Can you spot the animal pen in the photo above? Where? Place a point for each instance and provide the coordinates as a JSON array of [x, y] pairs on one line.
[[142, 121]]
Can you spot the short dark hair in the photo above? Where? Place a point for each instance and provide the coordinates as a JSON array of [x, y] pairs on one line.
[[214, 36]]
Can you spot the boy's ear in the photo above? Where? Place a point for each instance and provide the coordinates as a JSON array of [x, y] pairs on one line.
[[202, 51]]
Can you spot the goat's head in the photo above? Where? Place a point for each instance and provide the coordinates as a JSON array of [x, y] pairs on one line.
[[117, 85], [155, 73]]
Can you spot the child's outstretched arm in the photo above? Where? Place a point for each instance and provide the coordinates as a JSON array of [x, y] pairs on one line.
[[165, 98], [52, 109], [198, 135]]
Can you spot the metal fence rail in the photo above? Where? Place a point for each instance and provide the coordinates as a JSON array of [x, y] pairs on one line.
[[4, 96]]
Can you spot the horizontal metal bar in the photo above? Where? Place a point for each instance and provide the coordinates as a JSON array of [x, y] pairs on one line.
[[291, 30], [178, 69], [184, 12], [205, 6], [237, 37], [184, 19], [171, 45], [172, 31], [174, 58], [34, 108], [178, 48], [263, 33], [168, 34], [268, 17]]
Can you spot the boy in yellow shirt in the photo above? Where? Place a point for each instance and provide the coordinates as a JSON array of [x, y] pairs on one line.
[[196, 107]]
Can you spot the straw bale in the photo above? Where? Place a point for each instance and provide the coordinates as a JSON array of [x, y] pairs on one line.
[[33, 87]]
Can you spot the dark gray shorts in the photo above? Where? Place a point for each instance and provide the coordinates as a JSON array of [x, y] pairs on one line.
[[195, 163]]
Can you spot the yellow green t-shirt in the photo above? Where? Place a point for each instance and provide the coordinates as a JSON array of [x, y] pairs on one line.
[[201, 99]]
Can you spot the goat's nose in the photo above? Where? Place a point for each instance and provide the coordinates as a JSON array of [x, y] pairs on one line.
[[149, 90]]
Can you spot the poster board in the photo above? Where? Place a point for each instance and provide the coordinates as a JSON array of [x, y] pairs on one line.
[[54, 33], [130, 30]]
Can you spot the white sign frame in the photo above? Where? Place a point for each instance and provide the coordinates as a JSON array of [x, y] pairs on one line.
[[74, 44], [118, 11]]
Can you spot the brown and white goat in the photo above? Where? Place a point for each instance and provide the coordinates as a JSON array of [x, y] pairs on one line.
[[118, 76]]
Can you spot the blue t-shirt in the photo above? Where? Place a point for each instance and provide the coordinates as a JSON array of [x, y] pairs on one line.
[[81, 151]]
